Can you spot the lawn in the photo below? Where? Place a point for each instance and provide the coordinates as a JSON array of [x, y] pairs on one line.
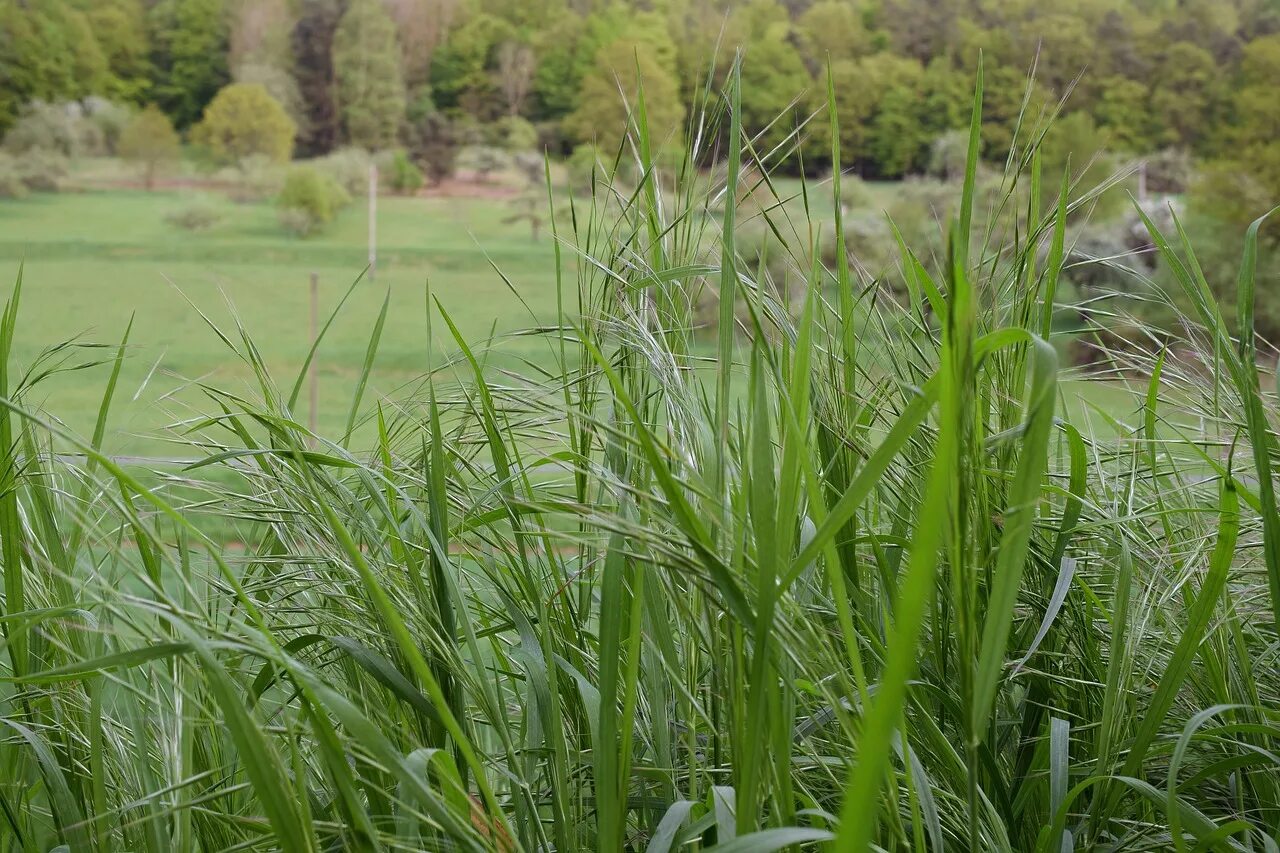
[[94, 258]]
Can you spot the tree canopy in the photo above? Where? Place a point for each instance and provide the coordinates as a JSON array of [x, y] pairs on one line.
[[1150, 76]]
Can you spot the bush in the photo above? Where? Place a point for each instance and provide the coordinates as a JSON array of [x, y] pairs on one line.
[[1170, 171], [309, 200], [42, 171], [400, 175], [199, 214], [55, 128], [434, 146], [254, 179], [517, 134], [349, 167], [483, 161], [110, 118], [948, 154], [11, 183], [242, 121], [584, 162]]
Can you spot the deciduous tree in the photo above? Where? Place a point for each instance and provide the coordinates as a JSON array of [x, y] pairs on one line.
[[370, 81], [150, 142], [242, 121]]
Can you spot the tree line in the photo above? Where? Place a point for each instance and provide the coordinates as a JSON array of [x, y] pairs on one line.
[[1194, 75]]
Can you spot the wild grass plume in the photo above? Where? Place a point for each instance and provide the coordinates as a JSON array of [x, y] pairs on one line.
[[843, 571]]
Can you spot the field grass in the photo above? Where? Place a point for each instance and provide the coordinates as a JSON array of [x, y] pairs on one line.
[[95, 258], [794, 586]]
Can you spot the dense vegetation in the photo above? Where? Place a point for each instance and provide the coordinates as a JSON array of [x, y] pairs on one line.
[[852, 576], [1192, 75]]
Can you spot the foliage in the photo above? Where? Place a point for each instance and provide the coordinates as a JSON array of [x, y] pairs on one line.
[[312, 43], [602, 115], [463, 69], [47, 53], [309, 200], [12, 184], [402, 175], [1187, 76], [188, 56], [349, 167], [197, 214], [370, 82], [517, 134], [62, 128], [37, 169], [867, 576], [433, 144], [242, 121], [150, 142], [483, 161]]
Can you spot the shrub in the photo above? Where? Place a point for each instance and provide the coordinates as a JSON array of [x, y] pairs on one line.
[[11, 183], [483, 161], [434, 146], [583, 163], [947, 155], [199, 214], [243, 120], [517, 134], [42, 171], [253, 179], [400, 175], [1169, 171], [58, 128], [309, 200], [150, 142], [110, 118], [349, 167]]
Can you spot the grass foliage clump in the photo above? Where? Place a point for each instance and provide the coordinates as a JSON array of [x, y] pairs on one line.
[[849, 574]]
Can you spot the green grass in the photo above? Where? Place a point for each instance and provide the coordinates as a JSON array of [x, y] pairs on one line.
[[96, 258], [817, 587]]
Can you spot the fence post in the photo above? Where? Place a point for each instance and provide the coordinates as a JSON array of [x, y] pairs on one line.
[[314, 409], [373, 221]]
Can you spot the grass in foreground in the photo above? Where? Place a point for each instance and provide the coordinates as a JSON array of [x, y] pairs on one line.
[[808, 593]]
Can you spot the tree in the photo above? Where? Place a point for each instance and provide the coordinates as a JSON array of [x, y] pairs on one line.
[[463, 69], [773, 77], [895, 142], [433, 143], [515, 74], [260, 52], [1245, 185], [370, 82], [150, 142], [832, 29], [1122, 112], [1188, 83], [243, 121], [423, 25], [609, 93], [188, 56], [47, 52], [120, 28], [312, 42]]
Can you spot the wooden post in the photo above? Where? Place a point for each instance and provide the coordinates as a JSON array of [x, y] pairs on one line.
[[373, 221], [313, 414]]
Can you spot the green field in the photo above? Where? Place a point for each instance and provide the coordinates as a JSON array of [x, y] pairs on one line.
[[94, 258]]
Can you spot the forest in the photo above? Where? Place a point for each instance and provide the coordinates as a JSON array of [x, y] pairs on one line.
[[722, 427], [1142, 76]]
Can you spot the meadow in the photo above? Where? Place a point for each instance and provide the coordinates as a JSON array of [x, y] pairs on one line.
[[96, 258], [839, 572]]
